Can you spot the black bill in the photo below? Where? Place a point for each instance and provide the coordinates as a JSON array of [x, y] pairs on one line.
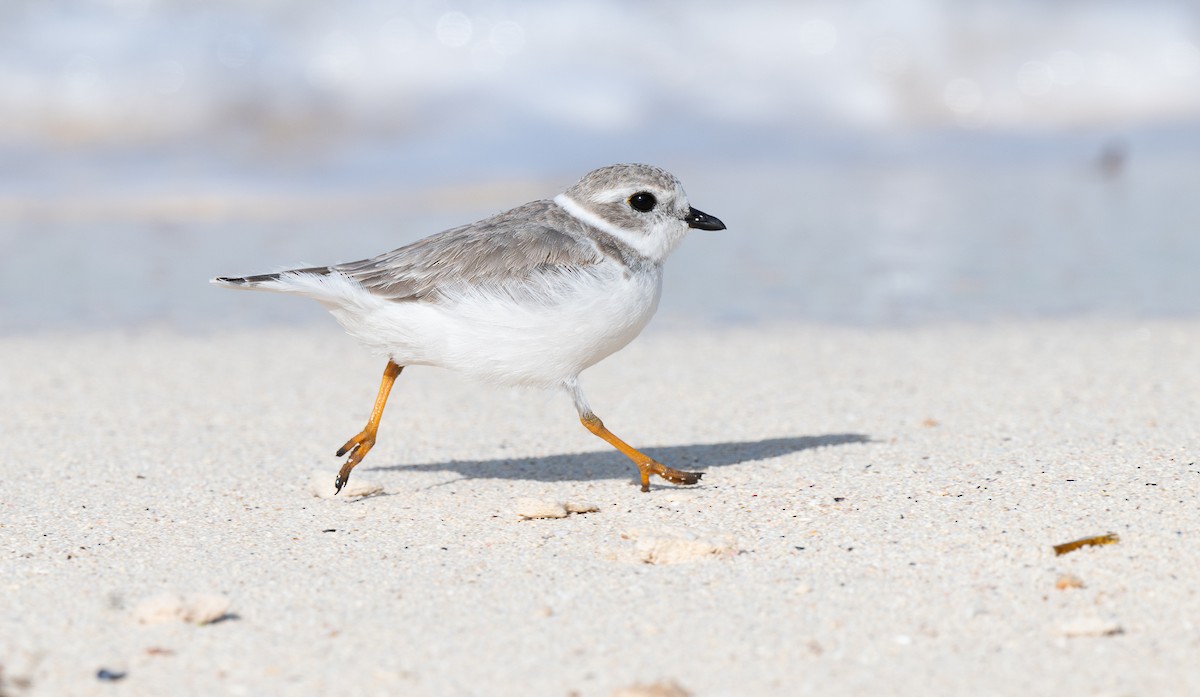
[[703, 221]]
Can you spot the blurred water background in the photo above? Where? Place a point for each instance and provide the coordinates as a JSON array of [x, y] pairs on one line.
[[876, 161]]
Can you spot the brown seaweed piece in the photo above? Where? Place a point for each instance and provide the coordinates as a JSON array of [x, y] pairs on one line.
[[1095, 541]]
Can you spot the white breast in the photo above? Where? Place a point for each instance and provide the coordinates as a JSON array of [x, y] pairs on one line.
[[568, 325]]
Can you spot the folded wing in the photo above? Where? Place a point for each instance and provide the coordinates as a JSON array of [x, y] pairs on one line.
[[499, 254]]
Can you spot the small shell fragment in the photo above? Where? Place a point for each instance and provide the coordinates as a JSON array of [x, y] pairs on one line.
[[529, 509], [675, 548], [1067, 581], [194, 608], [666, 688], [1089, 626]]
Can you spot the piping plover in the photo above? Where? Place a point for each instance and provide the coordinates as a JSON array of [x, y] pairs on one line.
[[532, 296]]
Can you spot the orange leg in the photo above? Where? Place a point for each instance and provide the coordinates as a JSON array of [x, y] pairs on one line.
[[360, 445], [646, 465]]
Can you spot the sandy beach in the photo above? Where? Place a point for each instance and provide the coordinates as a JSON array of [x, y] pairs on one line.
[[953, 323], [877, 516]]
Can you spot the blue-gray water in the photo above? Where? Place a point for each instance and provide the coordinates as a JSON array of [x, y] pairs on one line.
[[876, 163]]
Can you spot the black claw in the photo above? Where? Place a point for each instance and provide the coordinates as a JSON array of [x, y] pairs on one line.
[[338, 484], [341, 452]]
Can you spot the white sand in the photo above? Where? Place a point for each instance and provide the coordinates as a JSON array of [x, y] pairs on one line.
[[883, 506]]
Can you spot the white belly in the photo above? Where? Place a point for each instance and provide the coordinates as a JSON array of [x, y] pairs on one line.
[[497, 338]]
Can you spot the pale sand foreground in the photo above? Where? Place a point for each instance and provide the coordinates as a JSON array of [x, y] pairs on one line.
[[881, 507]]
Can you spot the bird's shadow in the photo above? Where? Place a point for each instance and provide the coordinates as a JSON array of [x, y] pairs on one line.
[[609, 464]]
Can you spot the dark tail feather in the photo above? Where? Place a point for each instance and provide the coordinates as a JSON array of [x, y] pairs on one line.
[[251, 281]]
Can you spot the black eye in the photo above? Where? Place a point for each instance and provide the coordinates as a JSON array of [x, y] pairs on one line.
[[643, 201]]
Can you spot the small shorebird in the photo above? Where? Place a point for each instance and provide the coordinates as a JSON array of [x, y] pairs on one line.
[[532, 296]]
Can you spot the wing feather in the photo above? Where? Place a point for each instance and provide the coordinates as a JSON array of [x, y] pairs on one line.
[[501, 253]]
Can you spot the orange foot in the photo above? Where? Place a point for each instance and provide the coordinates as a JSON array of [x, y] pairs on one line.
[[674, 476], [358, 447], [646, 465]]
